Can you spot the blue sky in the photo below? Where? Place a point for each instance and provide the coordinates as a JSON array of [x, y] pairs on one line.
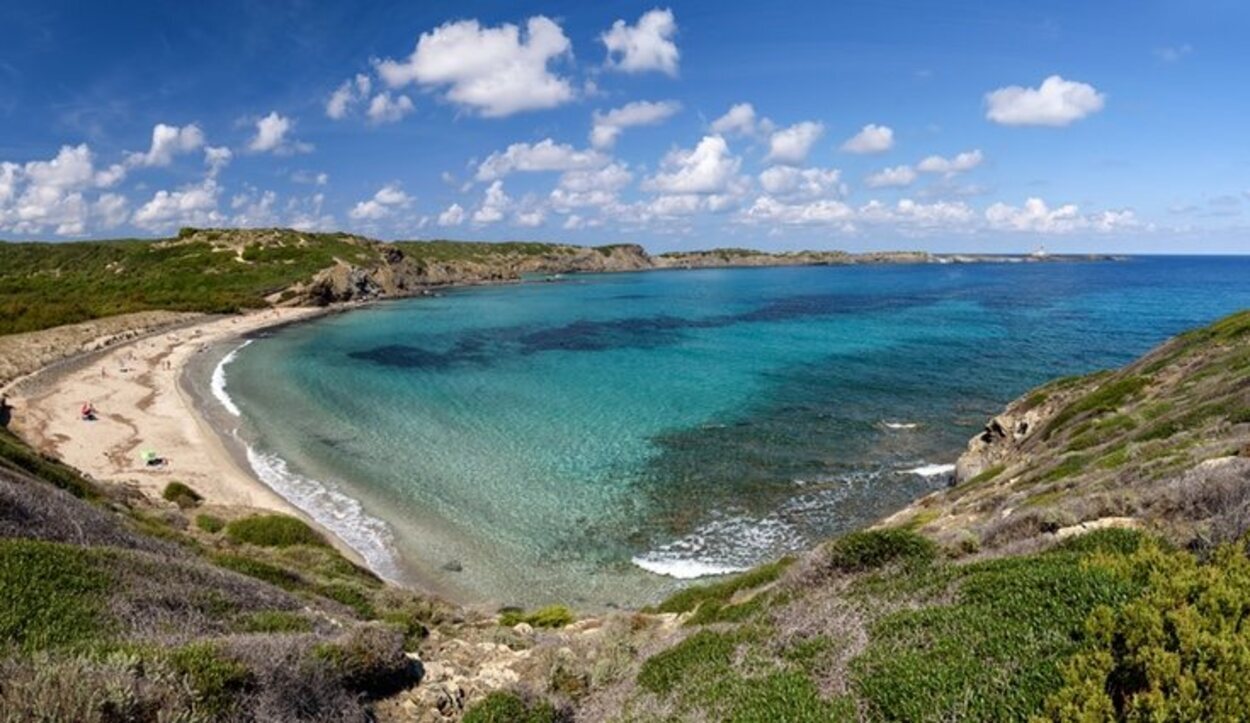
[[1108, 126]]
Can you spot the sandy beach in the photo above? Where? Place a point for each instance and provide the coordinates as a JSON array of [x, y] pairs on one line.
[[141, 406]]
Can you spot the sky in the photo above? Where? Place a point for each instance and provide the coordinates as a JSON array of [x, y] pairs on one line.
[[1111, 126]]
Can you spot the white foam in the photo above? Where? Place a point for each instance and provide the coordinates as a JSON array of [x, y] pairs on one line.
[[342, 515], [684, 569], [930, 470], [720, 547], [899, 425], [218, 381]]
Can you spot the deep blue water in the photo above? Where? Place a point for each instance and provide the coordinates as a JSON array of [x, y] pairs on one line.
[[586, 440]]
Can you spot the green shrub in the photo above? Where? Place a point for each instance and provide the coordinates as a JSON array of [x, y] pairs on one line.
[[272, 574], [51, 594], [210, 523], [218, 681], [350, 595], [1070, 465], [690, 598], [871, 549], [1178, 652], [15, 454], [986, 476], [181, 495], [1107, 397], [273, 531], [503, 707], [665, 671], [552, 616]]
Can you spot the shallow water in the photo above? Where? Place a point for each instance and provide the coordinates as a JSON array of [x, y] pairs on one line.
[[593, 440]]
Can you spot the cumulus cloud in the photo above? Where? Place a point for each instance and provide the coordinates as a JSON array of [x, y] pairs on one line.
[[347, 95], [193, 205], [385, 202], [739, 120], [1036, 216], [608, 126], [965, 161], [386, 109], [271, 136], [54, 194], [644, 46], [1057, 102], [810, 182], [612, 177], [767, 209], [707, 168], [494, 204], [546, 155], [895, 177], [217, 158], [168, 141], [910, 214], [871, 138], [492, 71], [791, 145], [454, 215], [531, 219]]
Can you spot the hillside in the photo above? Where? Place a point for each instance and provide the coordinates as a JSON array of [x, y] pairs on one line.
[[1090, 564], [44, 285]]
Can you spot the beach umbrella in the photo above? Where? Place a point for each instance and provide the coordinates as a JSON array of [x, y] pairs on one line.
[[148, 456]]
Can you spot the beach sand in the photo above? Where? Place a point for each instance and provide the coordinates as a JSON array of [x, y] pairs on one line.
[[140, 405]]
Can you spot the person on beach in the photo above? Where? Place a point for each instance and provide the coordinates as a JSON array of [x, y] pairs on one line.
[[88, 412]]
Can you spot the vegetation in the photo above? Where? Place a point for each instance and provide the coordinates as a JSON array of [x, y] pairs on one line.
[[552, 616], [210, 523], [273, 530], [720, 592], [872, 549], [503, 707], [53, 594], [181, 495]]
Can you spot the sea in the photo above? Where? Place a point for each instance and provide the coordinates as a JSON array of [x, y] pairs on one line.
[[603, 440]]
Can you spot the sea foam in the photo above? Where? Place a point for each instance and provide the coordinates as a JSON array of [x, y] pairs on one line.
[[720, 547], [930, 470], [899, 425], [337, 512], [217, 384]]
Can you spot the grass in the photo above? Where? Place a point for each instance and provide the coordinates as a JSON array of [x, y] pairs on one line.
[[720, 592], [53, 594], [15, 455], [985, 476], [1071, 464], [210, 523], [1106, 397], [216, 680], [181, 495], [275, 621], [273, 531], [552, 616]]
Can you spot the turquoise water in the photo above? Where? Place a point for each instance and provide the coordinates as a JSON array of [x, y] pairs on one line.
[[600, 439]]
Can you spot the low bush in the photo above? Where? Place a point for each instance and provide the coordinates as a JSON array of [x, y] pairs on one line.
[[181, 495], [275, 621], [210, 523], [552, 616], [218, 681], [505, 707], [370, 659], [273, 531], [871, 549]]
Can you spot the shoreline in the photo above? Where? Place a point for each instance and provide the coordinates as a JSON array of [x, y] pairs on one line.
[[138, 389]]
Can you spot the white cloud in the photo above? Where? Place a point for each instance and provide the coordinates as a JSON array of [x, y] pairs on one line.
[[894, 177], [388, 198], [612, 178], [310, 178], [1035, 216], [531, 219], [809, 182], [453, 216], [546, 155], [51, 194], [911, 214], [871, 138], [271, 136], [707, 168], [494, 204], [648, 45], [767, 209], [1057, 102], [110, 210], [1173, 53], [168, 141], [194, 205], [791, 145], [493, 71], [740, 119], [347, 95], [386, 109], [608, 126], [574, 222], [217, 158], [965, 161]]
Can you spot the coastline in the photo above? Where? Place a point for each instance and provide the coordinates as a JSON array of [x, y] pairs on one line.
[[138, 390]]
